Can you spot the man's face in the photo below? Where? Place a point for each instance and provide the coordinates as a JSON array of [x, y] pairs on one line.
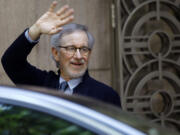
[[73, 65]]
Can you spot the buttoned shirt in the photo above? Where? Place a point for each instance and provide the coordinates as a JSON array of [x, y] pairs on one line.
[[71, 84]]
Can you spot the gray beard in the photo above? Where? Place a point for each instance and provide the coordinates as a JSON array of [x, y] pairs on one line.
[[80, 74]]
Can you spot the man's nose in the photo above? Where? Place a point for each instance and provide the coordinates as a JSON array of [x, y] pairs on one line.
[[77, 54]]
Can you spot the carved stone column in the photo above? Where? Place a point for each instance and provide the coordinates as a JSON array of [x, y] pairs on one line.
[[150, 59]]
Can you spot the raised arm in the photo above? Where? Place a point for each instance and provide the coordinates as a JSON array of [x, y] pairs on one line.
[[14, 59]]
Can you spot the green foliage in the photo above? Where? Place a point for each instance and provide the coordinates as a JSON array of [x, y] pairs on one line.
[[21, 121]]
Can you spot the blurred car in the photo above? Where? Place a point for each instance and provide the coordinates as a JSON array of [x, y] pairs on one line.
[[46, 112]]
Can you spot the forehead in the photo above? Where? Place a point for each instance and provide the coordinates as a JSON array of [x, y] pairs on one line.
[[75, 38]]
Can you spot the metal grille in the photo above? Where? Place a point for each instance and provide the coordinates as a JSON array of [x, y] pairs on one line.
[[150, 53]]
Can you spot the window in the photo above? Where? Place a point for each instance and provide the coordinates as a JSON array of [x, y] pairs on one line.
[[15, 120]]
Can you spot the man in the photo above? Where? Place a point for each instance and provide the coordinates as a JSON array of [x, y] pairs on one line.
[[71, 49]]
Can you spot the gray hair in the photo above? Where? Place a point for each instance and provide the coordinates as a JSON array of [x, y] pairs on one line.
[[70, 28]]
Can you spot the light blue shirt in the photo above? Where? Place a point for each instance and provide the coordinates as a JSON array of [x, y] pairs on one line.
[[29, 38], [71, 83]]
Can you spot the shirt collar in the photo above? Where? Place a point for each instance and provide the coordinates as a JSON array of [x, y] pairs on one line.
[[72, 83]]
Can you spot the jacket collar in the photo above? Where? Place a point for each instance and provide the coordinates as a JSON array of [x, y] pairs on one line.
[[82, 87]]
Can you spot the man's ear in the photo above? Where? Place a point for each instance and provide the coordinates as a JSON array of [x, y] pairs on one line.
[[55, 53]]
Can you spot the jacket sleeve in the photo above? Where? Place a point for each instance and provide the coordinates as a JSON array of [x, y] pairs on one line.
[[15, 63]]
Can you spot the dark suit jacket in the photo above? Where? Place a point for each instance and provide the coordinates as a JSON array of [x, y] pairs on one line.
[[20, 71]]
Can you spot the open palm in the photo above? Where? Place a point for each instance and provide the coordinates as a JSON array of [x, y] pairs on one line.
[[51, 22]]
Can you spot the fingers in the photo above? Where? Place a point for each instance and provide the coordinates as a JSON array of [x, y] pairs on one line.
[[58, 27], [67, 14], [66, 20], [62, 10], [55, 30], [52, 7], [60, 23], [63, 16]]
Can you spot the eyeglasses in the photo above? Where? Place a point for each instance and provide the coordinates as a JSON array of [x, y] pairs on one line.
[[72, 50]]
